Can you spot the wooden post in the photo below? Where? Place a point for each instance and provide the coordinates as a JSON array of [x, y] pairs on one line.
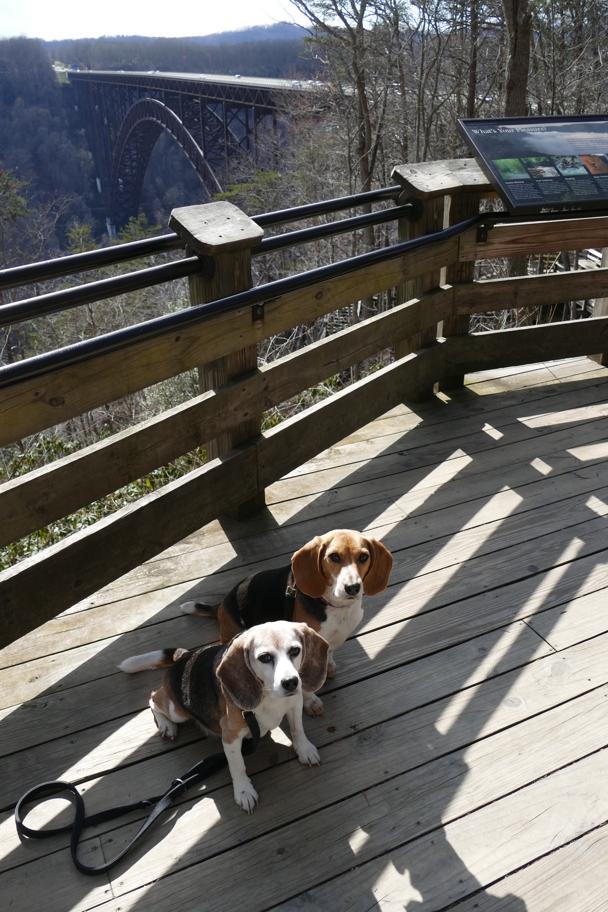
[[461, 206], [450, 191], [600, 309], [431, 221], [221, 231]]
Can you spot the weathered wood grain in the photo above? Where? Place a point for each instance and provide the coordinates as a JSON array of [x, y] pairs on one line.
[[484, 462], [473, 851], [536, 237], [530, 291], [37, 404], [573, 878], [527, 344], [427, 180], [461, 207], [32, 501], [215, 227], [42, 586]]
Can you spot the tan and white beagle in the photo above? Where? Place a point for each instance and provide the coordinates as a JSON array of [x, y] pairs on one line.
[[330, 575], [264, 670]]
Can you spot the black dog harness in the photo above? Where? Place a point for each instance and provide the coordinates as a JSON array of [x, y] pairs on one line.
[[159, 803]]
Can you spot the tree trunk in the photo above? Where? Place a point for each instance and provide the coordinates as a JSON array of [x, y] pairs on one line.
[[518, 20]]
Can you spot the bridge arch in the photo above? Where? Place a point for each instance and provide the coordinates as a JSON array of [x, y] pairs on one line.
[[143, 124]]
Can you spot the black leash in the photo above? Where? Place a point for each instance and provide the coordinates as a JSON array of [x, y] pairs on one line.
[[159, 803]]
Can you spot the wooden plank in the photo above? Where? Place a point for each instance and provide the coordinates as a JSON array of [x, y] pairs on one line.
[[87, 560], [536, 237], [527, 344], [304, 863], [463, 206], [530, 291], [297, 439], [396, 692], [32, 501], [428, 180], [572, 621], [81, 563], [46, 401], [432, 220], [488, 471], [471, 852], [573, 878], [99, 746], [69, 887], [480, 477], [600, 309], [410, 636]]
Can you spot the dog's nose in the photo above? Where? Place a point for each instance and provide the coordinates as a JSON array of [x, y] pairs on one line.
[[290, 684], [352, 588]]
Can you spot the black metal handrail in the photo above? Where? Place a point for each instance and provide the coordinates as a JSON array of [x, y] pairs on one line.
[[89, 349], [60, 267], [68, 298], [32, 273], [297, 213], [330, 229]]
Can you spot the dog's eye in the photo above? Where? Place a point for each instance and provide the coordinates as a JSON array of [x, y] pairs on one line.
[[335, 557], [265, 658], [294, 651], [363, 557]]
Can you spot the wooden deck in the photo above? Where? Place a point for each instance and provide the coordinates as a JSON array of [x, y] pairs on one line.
[[463, 747]]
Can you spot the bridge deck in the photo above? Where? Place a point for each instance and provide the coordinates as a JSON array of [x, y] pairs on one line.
[[464, 739]]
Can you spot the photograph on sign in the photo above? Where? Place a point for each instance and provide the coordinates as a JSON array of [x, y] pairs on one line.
[[543, 164]]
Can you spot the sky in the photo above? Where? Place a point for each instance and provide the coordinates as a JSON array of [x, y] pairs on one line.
[[54, 19]]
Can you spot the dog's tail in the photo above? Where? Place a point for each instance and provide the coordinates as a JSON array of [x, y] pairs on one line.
[[199, 608], [161, 658]]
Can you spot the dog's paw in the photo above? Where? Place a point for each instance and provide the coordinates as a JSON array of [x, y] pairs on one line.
[[166, 727], [331, 670], [245, 796], [313, 705], [308, 754]]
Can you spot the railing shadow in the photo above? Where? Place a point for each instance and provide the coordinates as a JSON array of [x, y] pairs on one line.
[[45, 738]]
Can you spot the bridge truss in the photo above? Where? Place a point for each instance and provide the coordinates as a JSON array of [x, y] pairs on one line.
[[125, 113]]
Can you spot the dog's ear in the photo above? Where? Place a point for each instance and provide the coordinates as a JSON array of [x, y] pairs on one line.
[[313, 669], [306, 566], [236, 677], [381, 564]]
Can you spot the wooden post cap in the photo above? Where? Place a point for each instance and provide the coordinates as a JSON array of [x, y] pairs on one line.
[[215, 228], [443, 178]]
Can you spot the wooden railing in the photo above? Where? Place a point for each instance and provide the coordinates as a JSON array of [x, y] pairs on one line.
[[226, 416]]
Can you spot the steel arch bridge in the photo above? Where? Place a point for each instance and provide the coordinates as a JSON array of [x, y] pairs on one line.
[[210, 117]]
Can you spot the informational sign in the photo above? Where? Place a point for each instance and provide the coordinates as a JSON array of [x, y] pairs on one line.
[[543, 164]]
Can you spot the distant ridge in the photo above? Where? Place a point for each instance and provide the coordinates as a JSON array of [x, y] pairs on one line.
[[278, 31]]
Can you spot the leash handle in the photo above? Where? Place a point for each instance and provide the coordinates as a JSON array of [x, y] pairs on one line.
[[159, 804]]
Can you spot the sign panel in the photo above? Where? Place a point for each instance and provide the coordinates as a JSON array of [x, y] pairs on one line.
[[543, 164]]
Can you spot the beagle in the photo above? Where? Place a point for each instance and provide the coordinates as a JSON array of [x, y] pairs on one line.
[[327, 579], [264, 670]]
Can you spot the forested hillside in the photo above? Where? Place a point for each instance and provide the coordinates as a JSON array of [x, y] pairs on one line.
[[260, 57]]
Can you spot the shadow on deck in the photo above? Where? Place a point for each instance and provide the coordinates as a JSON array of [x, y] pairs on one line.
[[462, 747]]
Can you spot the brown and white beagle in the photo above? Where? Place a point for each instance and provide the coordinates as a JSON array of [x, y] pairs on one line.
[[330, 575], [264, 670]]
